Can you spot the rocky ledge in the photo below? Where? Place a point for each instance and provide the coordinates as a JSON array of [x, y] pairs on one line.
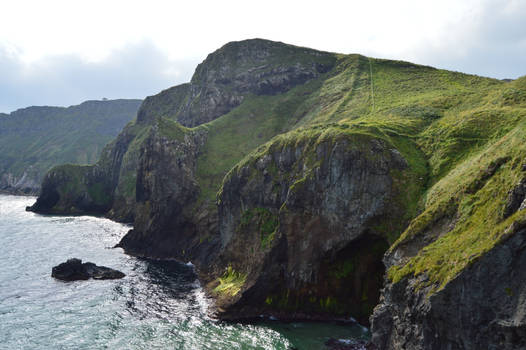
[[74, 269]]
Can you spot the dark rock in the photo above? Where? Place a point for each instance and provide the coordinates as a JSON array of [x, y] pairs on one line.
[[298, 222], [71, 270], [482, 308], [74, 269], [101, 272], [516, 199], [168, 223], [221, 82]]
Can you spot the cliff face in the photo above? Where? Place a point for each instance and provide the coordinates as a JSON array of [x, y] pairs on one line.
[[108, 187], [284, 174], [301, 222], [35, 139], [482, 308], [220, 84], [454, 277], [170, 223], [222, 81]]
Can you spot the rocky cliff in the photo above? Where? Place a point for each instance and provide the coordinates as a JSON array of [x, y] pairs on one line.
[[223, 80], [303, 221], [284, 174], [237, 70], [454, 279]]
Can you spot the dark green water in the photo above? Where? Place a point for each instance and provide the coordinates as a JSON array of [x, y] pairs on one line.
[[158, 305]]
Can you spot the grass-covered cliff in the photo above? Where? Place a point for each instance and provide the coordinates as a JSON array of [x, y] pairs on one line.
[[285, 173], [34, 139]]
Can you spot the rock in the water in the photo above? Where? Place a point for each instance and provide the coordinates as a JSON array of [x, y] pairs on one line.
[[101, 272], [74, 269]]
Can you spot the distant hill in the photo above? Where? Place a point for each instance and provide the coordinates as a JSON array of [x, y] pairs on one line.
[[34, 139]]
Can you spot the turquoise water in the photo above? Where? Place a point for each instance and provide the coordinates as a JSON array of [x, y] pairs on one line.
[[158, 305]]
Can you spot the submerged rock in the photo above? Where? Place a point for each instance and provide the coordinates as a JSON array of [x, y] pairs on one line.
[[74, 269]]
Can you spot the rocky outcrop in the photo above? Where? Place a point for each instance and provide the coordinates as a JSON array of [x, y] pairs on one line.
[[226, 76], [482, 308], [107, 187], [74, 270], [218, 85], [170, 222], [73, 189], [301, 222], [455, 278], [516, 198]]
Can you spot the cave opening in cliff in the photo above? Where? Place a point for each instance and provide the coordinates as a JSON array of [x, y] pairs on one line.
[[353, 276]]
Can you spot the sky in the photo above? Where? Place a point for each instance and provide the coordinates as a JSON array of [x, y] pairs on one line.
[[64, 52]]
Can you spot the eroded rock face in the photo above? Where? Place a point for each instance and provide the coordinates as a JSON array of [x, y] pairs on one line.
[[168, 219], [107, 187], [299, 221], [516, 199], [75, 190], [221, 82], [482, 308]]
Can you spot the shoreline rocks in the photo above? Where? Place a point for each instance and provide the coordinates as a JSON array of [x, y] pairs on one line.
[[74, 270]]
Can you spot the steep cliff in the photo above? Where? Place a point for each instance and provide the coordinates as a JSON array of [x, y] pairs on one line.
[[454, 277], [35, 139], [227, 76], [238, 70], [306, 220], [107, 187], [284, 174]]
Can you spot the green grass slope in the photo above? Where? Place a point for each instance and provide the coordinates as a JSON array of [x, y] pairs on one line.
[[34, 139]]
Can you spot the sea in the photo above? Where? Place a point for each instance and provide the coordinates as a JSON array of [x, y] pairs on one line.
[[158, 305]]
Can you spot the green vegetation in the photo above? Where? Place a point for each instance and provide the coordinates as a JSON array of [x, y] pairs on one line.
[[231, 282], [266, 223], [449, 127], [236, 134], [171, 129], [35, 139], [477, 211], [461, 135]]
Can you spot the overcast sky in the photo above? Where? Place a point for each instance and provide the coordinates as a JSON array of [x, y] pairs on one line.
[[65, 52]]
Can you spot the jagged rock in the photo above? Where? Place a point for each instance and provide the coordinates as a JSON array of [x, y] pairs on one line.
[[482, 308], [298, 220], [169, 222], [221, 82], [74, 269], [516, 199]]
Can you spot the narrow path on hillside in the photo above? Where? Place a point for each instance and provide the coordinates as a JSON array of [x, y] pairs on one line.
[[371, 78]]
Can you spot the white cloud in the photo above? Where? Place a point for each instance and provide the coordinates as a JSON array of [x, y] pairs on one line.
[[134, 71], [486, 37]]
